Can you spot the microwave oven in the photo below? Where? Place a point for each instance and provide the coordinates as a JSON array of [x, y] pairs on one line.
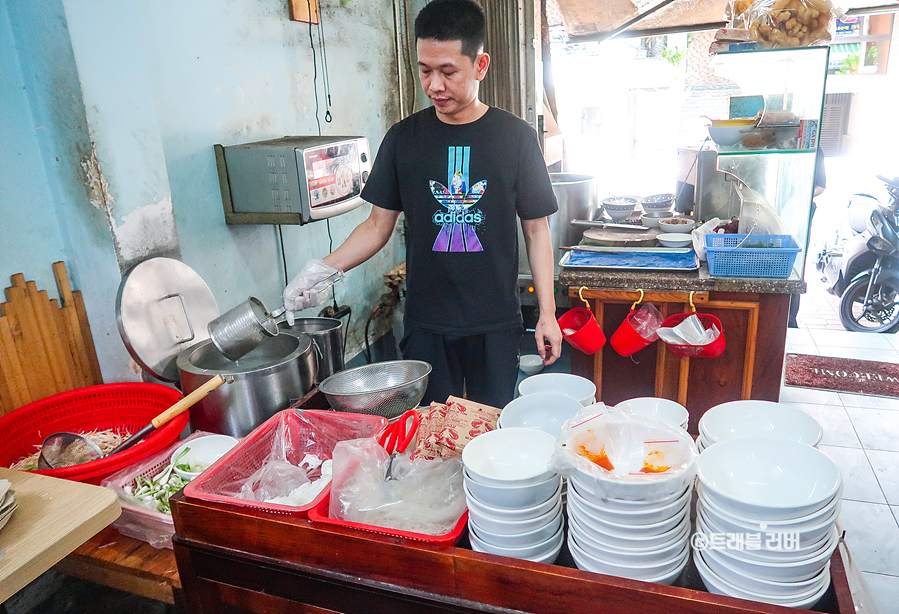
[[292, 180]]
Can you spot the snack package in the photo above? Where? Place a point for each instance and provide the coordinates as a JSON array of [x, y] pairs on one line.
[[445, 429], [787, 23]]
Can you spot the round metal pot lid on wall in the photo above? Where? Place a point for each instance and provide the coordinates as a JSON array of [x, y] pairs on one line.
[[162, 307]]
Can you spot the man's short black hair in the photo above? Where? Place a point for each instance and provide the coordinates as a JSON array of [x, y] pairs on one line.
[[453, 20]]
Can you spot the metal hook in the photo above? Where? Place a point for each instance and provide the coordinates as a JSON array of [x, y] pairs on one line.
[[580, 293], [692, 306], [638, 301]]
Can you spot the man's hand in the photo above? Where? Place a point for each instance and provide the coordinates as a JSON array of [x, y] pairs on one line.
[[310, 287], [548, 333]]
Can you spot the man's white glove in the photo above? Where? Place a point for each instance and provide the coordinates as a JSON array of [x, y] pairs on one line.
[[310, 287]]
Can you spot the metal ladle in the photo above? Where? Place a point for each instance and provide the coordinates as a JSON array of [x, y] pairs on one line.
[[65, 449]]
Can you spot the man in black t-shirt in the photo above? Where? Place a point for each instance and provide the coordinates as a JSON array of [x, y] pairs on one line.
[[463, 173]]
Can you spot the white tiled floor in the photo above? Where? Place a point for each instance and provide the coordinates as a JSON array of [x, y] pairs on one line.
[[861, 434]]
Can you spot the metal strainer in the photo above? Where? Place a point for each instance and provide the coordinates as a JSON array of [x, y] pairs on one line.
[[383, 389]]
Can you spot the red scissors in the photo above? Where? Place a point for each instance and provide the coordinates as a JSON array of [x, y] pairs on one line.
[[395, 438]]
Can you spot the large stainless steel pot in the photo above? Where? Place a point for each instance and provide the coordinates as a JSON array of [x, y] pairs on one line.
[[266, 381]]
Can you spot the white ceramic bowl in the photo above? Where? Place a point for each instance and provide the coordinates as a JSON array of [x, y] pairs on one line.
[[513, 456], [574, 386], [530, 364], [526, 552], [669, 412], [550, 557], [767, 478], [546, 411], [628, 556], [744, 576], [640, 517], [717, 585], [501, 526], [657, 202], [678, 225], [759, 419], [675, 239], [799, 524], [203, 451], [809, 545], [806, 534], [678, 534], [515, 514], [578, 507], [621, 504], [628, 541], [645, 572], [651, 219], [725, 135], [511, 497], [516, 540]]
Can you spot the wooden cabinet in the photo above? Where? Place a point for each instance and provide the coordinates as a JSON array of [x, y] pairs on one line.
[[753, 314], [233, 560]]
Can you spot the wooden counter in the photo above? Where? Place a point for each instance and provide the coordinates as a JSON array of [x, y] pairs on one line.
[[753, 314], [54, 517], [232, 559]]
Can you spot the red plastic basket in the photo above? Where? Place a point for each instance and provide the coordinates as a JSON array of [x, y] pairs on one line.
[[123, 407], [320, 513], [313, 433], [712, 350]]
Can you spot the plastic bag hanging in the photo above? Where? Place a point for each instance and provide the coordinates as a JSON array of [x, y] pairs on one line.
[[638, 329], [580, 328], [711, 345]]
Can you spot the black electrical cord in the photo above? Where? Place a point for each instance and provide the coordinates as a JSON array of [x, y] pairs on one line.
[[331, 249], [283, 255], [367, 324], [314, 67], [325, 72]]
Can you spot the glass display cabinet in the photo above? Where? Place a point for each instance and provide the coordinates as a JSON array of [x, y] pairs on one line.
[[782, 167]]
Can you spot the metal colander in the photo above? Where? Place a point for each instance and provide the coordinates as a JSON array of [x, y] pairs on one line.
[[383, 389]]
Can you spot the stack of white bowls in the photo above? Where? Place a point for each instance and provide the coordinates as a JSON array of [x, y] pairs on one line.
[[765, 521], [574, 386], [638, 539], [669, 412], [545, 411], [757, 419], [514, 500]]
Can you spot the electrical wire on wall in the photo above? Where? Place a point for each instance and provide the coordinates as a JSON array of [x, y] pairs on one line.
[[314, 66], [325, 73], [283, 255]]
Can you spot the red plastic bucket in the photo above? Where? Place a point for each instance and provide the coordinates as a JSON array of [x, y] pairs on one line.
[[581, 330], [626, 340], [712, 350]]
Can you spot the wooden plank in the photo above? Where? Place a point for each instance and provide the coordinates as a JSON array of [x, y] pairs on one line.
[[112, 559], [15, 387], [90, 351], [303, 10], [54, 517], [46, 323], [73, 357], [649, 296], [18, 281], [70, 311], [29, 346]]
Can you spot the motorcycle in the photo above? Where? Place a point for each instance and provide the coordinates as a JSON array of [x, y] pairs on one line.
[[862, 266]]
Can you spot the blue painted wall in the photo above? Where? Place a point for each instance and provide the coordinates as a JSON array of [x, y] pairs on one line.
[[141, 91]]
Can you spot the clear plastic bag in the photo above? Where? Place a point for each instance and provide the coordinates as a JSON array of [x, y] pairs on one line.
[[646, 322], [616, 455], [699, 237], [789, 23], [689, 332], [424, 496], [151, 526], [266, 464]]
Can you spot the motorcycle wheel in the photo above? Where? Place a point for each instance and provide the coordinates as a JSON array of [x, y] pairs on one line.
[[881, 316]]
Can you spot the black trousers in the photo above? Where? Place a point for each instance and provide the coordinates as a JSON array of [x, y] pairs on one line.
[[482, 367]]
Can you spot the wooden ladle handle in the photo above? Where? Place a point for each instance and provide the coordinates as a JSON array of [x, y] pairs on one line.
[[188, 401]]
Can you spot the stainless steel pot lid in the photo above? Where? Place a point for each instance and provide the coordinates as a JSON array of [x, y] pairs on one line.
[[205, 358], [162, 307]]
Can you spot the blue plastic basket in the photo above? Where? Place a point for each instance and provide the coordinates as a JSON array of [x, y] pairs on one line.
[[729, 255]]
